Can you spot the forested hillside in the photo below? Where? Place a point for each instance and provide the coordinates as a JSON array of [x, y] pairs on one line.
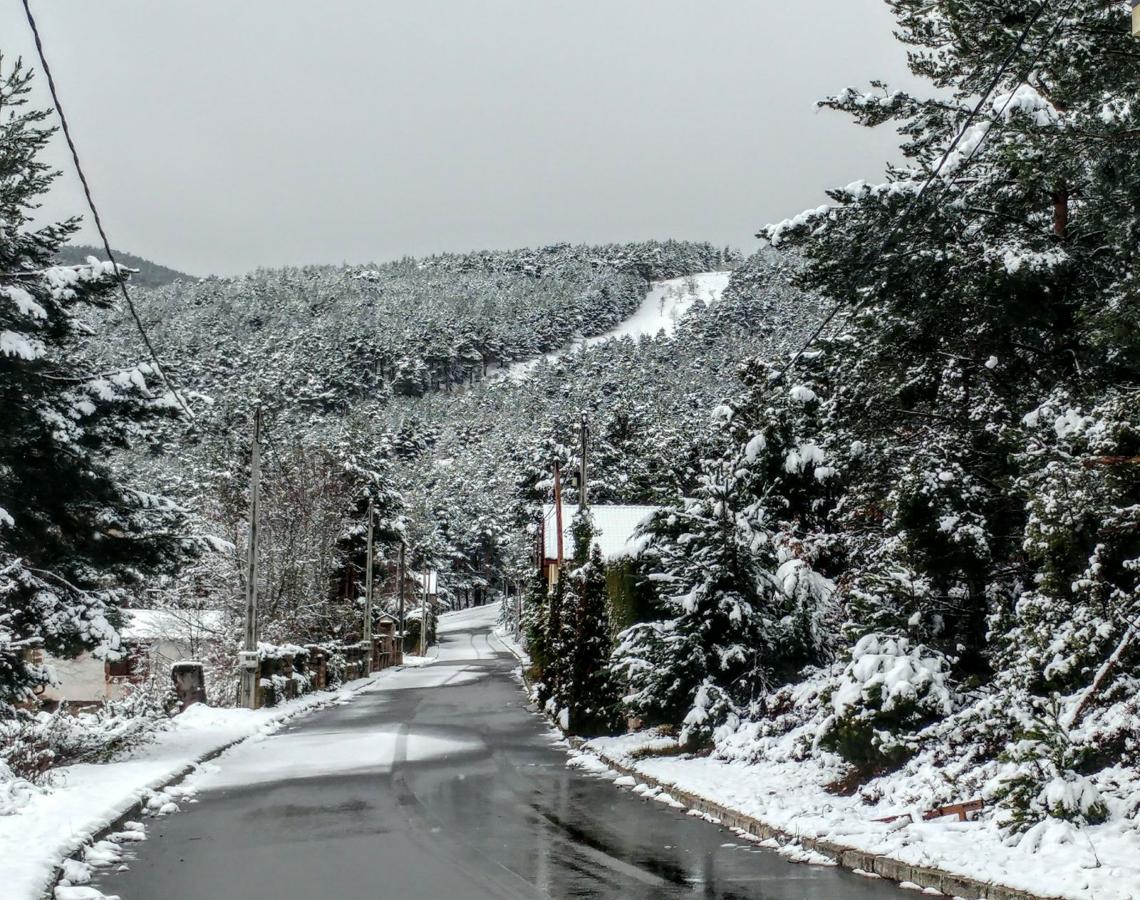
[[317, 339], [144, 272], [392, 382]]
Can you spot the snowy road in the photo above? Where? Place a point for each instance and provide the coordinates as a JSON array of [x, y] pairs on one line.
[[439, 782]]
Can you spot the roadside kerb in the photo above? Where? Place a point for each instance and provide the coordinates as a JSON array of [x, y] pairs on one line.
[[178, 777], [948, 883]]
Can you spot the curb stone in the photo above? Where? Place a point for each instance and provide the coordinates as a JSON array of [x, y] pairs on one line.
[[848, 857], [948, 883], [177, 778]]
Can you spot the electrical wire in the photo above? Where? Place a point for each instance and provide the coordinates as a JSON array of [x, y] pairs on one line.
[[913, 204], [122, 282]]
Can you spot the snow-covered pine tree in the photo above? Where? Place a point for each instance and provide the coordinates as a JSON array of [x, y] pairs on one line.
[[72, 534], [712, 651], [588, 692], [979, 374], [1011, 275]]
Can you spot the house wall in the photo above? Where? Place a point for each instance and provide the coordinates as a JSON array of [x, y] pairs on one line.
[[79, 680], [623, 596], [84, 679]]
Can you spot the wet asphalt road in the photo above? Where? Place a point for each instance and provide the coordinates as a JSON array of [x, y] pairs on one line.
[[441, 783]]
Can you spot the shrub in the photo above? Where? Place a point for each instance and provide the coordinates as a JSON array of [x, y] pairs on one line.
[[888, 691]]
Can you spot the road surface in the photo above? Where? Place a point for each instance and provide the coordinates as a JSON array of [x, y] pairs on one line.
[[441, 782]]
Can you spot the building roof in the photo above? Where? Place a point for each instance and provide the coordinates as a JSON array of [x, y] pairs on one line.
[[615, 530], [171, 624]]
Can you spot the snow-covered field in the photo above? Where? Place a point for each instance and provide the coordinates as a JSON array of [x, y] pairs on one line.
[[1094, 863], [84, 799], [664, 305]]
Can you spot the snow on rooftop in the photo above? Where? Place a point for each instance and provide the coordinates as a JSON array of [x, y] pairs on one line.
[[159, 624], [614, 529]]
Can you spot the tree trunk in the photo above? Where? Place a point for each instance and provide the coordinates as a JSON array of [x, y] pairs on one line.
[[1061, 211]]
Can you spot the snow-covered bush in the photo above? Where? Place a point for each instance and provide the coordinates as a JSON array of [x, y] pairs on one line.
[[32, 744], [885, 694], [1041, 779], [15, 790], [657, 668]]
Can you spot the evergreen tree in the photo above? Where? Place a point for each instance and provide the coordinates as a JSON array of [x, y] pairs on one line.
[[72, 534], [709, 659], [589, 691], [1008, 282], [959, 459]]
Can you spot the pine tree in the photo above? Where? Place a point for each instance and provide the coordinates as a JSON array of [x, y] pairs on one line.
[[72, 534], [976, 395], [589, 691], [971, 303], [709, 659]]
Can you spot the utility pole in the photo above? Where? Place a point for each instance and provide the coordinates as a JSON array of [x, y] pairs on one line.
[[247, 658], [423, 616], [558, 513], [403, 546], [368, 592], [583, 492]]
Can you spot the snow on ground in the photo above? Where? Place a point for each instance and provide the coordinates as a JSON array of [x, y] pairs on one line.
[[84, 799], [1097, 863], [468, 619], [315, 754], [664, 305]]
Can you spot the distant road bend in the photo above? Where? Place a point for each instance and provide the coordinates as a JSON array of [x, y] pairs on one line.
[[441, 782]]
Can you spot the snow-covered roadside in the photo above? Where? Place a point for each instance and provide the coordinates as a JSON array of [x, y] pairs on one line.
[[789, 797], [85, 799], [1101, 862]]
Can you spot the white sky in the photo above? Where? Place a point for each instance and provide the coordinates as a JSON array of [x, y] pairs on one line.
[[220, 135]]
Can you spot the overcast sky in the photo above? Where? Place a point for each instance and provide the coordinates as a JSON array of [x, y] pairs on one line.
[[222, 135]]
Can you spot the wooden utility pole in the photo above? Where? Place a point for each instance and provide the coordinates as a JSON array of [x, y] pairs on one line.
[[368, 591], [558, 512], [403, 576], [247, 658], [423, 616], [583, 491]]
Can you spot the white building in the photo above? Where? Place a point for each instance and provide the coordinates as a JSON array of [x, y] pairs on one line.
[[615, 533], [153, 639]]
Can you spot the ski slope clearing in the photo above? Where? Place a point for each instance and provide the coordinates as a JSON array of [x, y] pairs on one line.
[[665, 304]]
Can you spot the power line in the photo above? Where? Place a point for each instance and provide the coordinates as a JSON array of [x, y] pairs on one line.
[[913, 204], [122, 282]]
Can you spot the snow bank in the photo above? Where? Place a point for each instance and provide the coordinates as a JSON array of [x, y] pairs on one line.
[[84, 799], [1101, 862]]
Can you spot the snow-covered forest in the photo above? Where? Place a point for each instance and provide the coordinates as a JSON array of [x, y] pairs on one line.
[[895, 452]]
